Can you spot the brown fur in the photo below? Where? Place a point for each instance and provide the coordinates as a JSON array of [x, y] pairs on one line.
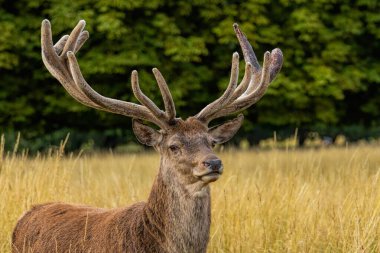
[[176, 217]]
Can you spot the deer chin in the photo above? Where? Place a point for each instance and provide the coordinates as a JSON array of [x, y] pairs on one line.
[[208, 176], [211, 177]]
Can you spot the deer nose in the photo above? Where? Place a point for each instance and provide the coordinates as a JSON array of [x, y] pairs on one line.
[[214, 165]]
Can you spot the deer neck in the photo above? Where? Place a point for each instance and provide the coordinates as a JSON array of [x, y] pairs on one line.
[[176, 217]]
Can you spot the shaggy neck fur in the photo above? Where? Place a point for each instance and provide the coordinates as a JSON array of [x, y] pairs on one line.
[[176, 217]]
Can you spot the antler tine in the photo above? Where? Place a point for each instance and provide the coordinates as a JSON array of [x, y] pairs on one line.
[[276, 63], [73, 38], [249, 54], [166, 95], [46, 37], [81, 40], [60, 44], [144, 99], [261, 88], [227, 95], [243, 86]]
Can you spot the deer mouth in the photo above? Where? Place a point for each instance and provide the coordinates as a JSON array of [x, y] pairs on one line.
[[210, 176]]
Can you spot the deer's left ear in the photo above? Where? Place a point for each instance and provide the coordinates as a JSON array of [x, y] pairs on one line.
[[145, 134], [226, 131]]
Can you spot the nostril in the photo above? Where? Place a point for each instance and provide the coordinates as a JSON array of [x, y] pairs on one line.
[[206, 164], [217, 164], [214, 165]]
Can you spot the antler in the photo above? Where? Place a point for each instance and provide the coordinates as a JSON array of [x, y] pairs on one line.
[[61, 62], [253, 86]]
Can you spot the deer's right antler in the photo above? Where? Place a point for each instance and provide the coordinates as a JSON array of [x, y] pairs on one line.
[[61, 62]]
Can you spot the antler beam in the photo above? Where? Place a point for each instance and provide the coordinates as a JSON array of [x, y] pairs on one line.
[[61, 62], [255, 82]]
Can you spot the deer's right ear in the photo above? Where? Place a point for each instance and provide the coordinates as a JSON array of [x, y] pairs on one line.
[[145, 134]]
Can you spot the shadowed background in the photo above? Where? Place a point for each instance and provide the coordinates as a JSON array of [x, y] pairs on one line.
[[329, 82]]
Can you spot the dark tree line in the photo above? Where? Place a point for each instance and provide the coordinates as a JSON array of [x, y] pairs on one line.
[[330, 81]]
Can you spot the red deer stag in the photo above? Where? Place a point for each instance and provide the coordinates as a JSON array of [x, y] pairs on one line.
[[176, 216]]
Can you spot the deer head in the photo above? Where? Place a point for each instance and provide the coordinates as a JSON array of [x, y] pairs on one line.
[[185, 145]]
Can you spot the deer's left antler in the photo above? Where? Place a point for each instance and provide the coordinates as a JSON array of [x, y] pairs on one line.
[[253, 86]]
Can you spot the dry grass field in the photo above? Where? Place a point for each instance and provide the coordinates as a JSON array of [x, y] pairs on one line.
[[317, 200]]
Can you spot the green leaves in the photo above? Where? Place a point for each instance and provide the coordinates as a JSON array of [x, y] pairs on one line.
[[330, 74]]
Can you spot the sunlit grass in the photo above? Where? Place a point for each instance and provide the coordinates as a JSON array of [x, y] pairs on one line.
[[325, 200]]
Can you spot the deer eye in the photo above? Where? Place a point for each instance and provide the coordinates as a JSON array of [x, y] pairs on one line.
[[174, 148], [213, 143]]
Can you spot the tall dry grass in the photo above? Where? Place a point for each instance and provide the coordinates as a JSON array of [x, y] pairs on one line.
[[325, 200]]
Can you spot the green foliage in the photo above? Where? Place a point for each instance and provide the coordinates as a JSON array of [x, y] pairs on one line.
[[330, 77]]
